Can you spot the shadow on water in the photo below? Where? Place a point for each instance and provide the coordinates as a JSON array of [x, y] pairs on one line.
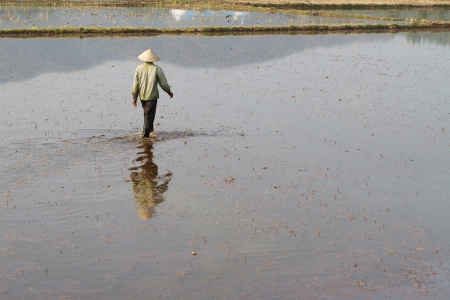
[[148, 186]]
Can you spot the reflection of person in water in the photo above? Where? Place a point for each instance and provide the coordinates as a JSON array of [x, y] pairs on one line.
[[148, 187]]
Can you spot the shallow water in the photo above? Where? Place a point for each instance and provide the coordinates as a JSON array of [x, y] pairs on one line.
[[405, 14], [27, 16], [293, 166]]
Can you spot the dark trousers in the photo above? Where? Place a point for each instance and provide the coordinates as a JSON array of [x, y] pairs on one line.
[[149, 107]]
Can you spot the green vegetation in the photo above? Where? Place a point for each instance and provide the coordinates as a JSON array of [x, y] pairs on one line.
[[293, 8], [100, 31]]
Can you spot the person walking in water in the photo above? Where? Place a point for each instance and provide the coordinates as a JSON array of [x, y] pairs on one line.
[[146, 78]]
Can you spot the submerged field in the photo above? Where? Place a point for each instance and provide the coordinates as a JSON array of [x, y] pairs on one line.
[[328, 178], [287, 166], [75, 18], [129, 17]]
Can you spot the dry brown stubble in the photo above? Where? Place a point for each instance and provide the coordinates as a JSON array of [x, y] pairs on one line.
[[240, 2], [338, 2]]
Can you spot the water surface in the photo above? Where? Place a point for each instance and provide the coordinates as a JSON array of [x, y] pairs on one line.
[[42, 17], [405, 14], [306, 167]]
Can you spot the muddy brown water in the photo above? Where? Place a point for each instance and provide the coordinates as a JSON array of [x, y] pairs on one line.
[[293, 166]]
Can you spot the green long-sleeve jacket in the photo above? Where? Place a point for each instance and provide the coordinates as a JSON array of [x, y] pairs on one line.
[[146, 78]]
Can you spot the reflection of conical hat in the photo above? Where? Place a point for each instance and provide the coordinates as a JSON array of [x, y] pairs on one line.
[[148, 56], [145, 214]]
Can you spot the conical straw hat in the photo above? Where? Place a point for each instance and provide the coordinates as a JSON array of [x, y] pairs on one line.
[[148, 56]]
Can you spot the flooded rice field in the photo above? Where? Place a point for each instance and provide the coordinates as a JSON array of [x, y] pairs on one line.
[[285, 167], [405, 14], [42, 17]]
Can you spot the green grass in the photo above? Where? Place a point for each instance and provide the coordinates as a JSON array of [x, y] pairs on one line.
[[100, 31]]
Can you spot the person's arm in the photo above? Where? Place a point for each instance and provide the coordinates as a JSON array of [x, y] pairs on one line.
[[163, 81], [136, 88]]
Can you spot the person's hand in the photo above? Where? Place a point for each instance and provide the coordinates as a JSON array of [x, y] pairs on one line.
[[171, 95], [134, 101]]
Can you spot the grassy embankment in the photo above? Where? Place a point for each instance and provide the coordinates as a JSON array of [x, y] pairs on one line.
[[98, 31]]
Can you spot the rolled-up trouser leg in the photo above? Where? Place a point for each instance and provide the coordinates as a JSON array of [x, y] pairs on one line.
[[149, 107]]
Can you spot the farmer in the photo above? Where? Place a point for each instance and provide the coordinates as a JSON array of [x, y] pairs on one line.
[[146, 77]]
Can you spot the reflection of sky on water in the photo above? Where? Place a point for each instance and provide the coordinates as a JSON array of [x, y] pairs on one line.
[[23, 17], [191, 52], [178, 14], [188, 17], [437, 38]]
